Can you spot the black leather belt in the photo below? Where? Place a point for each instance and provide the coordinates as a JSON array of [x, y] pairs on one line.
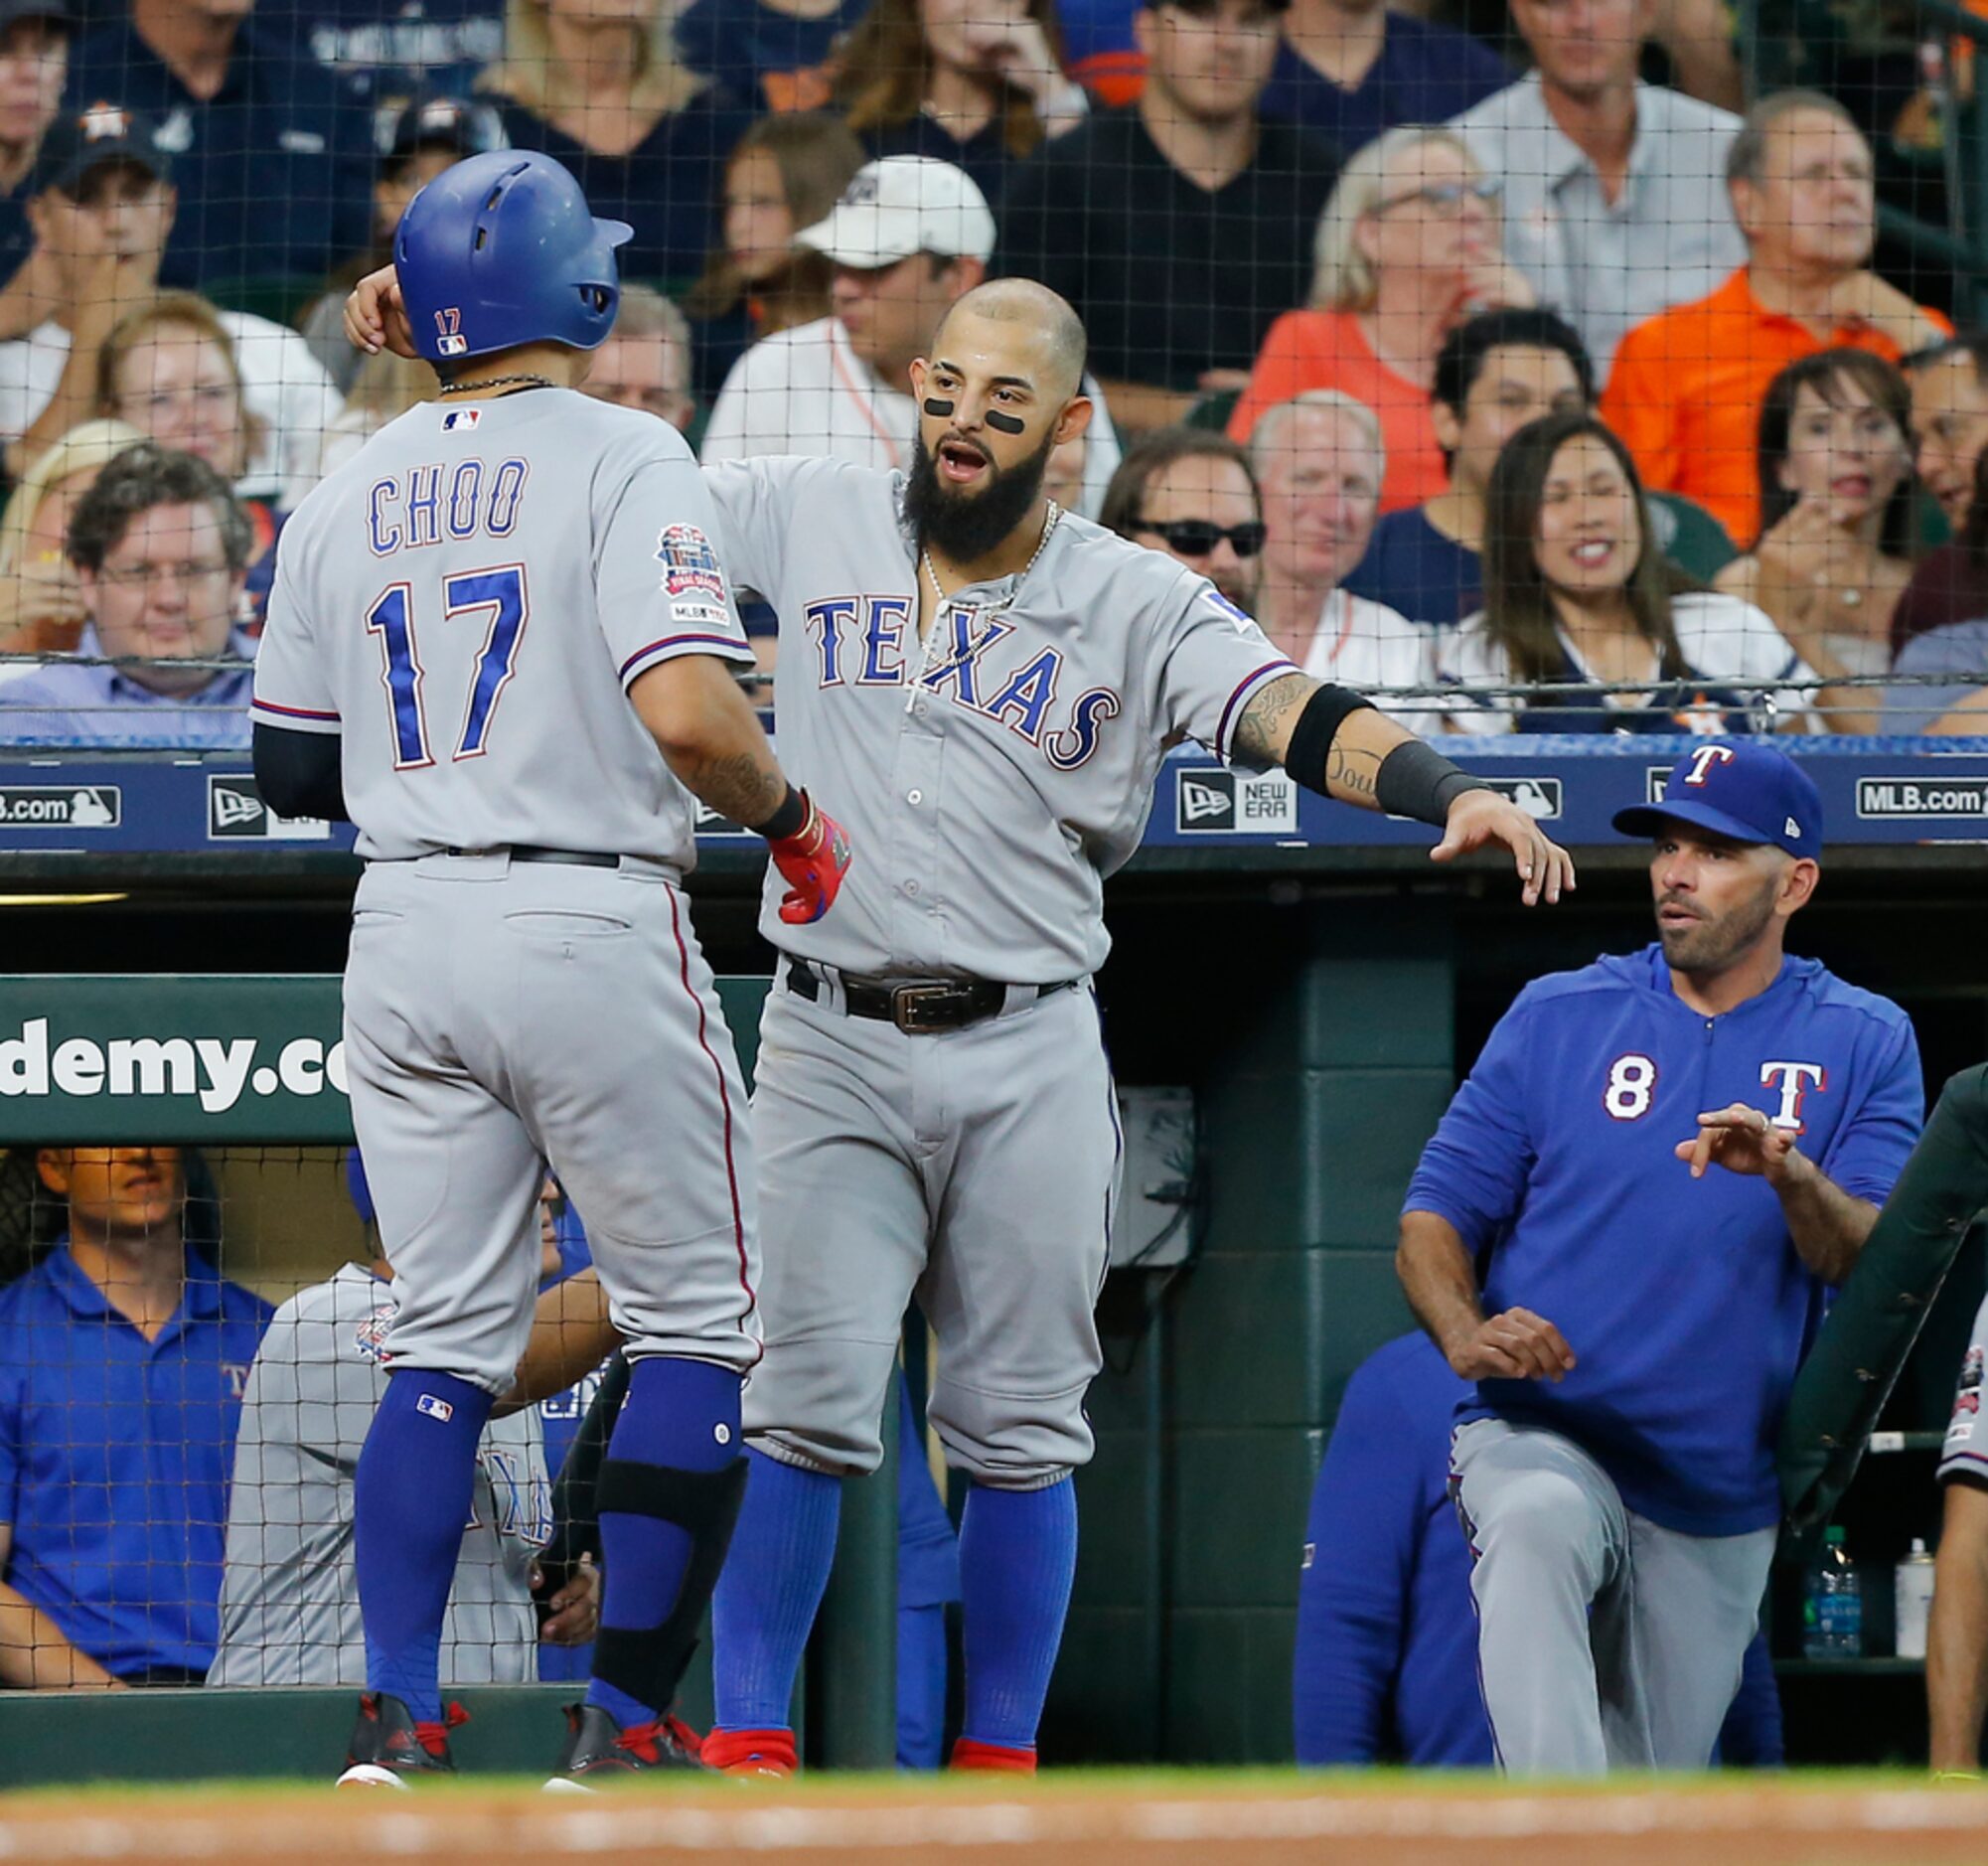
[[920, 1008], [529, 851]]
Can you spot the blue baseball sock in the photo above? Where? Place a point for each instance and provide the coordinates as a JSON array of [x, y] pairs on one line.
[[771, 1590], [682, 1415], [410, 1499], [1018, 1557]]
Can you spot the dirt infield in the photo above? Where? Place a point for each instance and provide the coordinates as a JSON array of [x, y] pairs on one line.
[[1102, 1821]]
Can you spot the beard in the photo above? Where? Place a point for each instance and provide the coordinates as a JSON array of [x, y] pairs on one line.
[[1711, 946], [966, 527]]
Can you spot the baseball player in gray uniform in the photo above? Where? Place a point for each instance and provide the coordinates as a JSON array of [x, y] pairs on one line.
[[986, 683], [289, 1595], [500, 641]]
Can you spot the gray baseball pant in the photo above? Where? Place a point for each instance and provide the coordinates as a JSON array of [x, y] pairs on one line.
[[1604, 1641], [976, 1168], [501, 1015]]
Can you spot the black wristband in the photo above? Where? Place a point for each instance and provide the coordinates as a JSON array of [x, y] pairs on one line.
[[787, 821], [1416, 781], [1318, 725]]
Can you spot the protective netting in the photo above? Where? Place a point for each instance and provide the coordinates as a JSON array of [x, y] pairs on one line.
[[1331, 259], [190, 1359]]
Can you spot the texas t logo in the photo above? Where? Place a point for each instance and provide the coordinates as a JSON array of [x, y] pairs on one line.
[[1793, 1079], [1704, 759]]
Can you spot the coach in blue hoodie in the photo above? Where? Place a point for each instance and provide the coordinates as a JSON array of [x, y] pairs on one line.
[[1621, 1233]]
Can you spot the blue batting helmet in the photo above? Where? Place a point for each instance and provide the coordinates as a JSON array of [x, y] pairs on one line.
[[500, 250]]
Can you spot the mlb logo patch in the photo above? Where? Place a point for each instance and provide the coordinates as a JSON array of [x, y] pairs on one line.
[[449, 340], [452, 346], [689, 567], [459, 421], [436, 1408]]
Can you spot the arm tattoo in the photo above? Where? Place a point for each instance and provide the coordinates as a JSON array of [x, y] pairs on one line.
[[1264, 731], [1355, 771], [745, 786]]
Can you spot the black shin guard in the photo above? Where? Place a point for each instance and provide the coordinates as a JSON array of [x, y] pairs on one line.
[[648, 1662]]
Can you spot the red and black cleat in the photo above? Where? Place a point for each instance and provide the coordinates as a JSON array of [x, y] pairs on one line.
[[388, 1747], [599, 1750]]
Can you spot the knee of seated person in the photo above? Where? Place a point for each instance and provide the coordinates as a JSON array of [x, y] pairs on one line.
[[1544, 1511]]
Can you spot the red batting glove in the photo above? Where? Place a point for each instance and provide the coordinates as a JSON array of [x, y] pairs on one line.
[[814, 860]]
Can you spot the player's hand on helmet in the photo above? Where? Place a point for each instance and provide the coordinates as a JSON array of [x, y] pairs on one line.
[[572, 1615], [374, 317], [813, 861], [1480, 817], [1513, 1345], [1741, 1139]]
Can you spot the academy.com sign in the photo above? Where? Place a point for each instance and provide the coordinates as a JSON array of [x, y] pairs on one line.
[[172, 1057], [219, 1071]]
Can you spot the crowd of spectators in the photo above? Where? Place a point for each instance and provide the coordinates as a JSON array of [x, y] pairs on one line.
[[1373, 248]]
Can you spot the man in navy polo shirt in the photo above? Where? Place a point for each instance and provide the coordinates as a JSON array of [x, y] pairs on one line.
[[1659, 1162], [272, 155], [122, 1359]]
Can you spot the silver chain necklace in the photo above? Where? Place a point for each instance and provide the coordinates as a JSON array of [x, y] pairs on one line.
[[498, 382], [928, 636], [1049, 519]]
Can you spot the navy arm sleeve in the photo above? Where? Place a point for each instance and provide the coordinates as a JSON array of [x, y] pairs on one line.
[[297, 773], [1352, 1594]]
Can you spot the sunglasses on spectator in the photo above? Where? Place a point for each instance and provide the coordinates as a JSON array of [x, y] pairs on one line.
[[1197, 538], [1448, 197]]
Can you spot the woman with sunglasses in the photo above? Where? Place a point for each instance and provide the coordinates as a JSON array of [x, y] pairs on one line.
[[1407, 249]]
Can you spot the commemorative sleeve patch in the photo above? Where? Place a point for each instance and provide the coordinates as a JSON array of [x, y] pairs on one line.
[[691, 578]]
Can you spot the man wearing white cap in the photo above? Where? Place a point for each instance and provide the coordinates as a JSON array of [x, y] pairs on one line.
[[909, 237]]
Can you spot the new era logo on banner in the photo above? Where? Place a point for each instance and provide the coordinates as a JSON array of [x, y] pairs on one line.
[[1212, 802], [234, 808]]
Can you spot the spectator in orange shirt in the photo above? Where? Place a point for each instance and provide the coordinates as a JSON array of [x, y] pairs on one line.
[[1407, 249], [1688, 383]]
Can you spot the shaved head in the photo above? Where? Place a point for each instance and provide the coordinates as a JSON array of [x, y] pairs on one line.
[[1039, 310]]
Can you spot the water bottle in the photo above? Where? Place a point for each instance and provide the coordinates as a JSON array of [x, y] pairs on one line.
[[1832, 1619], [1912, 1591]]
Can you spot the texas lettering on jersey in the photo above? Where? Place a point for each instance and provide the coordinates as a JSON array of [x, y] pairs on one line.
[[860, 640]]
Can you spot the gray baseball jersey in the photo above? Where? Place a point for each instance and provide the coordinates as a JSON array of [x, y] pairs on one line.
[[289, 1595], [464, 603], [991, 777]]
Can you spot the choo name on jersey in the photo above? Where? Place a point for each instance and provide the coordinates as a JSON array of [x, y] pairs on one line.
[[431, 504], [860, 640]]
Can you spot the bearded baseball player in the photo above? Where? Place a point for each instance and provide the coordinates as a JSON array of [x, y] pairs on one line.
[[987, 683], [500, 641], [1659, 1162]]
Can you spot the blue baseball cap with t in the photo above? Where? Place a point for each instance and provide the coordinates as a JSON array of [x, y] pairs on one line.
[[1738, 787]]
